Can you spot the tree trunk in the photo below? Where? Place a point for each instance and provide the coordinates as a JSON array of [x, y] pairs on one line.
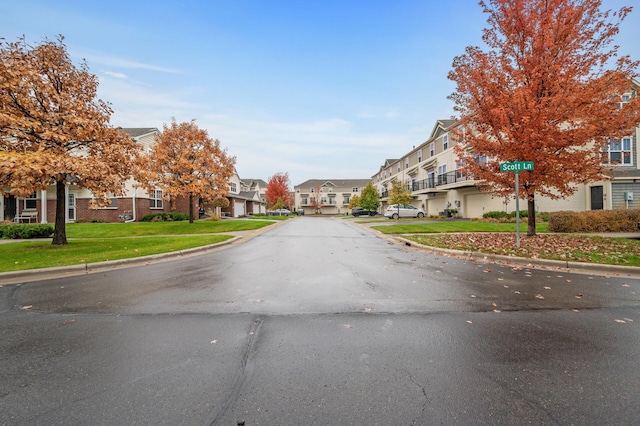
[[190, 208], [60, 231], [531, 205]]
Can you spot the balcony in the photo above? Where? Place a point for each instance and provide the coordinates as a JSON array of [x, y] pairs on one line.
[[455, 179]]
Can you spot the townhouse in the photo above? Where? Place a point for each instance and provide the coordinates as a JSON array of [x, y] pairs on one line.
[[332, 196], [244, 198], [432, 172]]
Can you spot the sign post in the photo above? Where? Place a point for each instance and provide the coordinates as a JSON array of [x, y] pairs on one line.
[[516, 167]]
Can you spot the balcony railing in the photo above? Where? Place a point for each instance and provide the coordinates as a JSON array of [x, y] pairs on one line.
[[434, 182]]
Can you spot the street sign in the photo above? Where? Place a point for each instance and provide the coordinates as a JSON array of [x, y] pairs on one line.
[[517, 166]]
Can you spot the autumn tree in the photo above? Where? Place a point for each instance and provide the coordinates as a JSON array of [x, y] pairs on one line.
[[354, 201], [316, 200], [278, 189], [369, 198], [399, 194], [53, 129], [185, 162], [548, 90]]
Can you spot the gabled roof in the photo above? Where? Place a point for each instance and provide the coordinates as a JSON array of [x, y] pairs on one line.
[[136, 132], [251, 183], [340, 183], [442, 126]]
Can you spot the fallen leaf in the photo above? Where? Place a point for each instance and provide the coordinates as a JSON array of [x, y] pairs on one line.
[[625, 285], [487, 270], [214, 342], [619, 321], [69, 321], [547, 288], [24, 308], [568, 281], [516, 292], [579, 296], [469, 322], [367, 310], [576, 310], [494, 304], [496, 311], [347, 326], [539, 296], [628, 319]]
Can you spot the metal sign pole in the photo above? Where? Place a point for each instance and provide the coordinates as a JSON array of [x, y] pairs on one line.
[[517, 211]]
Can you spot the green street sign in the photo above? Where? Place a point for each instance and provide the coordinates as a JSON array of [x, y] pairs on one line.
[[517, 166]]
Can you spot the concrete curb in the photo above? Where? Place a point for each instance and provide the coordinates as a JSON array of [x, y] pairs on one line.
[[556, 265], [88, 268]]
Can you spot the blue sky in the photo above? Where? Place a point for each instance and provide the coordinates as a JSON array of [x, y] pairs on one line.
[[321, 89]]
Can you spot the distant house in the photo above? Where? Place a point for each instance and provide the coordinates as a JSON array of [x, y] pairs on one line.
[[334, 194], [246, 197]]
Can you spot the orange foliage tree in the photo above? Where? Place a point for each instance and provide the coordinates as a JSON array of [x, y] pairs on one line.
[[53, 129], [547, 90], [185, 162], [278, 189]]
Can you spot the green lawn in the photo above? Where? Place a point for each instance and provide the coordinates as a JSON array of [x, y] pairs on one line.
[[137, 229], [415, 227], [37, 254], [98, 242]]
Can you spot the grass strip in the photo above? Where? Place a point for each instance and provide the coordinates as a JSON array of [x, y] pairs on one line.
[[19, 256], [415, 227], [136, 229]]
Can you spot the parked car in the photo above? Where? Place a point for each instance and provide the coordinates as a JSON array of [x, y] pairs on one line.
[[405, 210], [300, 212], [359, 211], [280, 212]]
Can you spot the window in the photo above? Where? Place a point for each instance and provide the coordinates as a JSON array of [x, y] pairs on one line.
[[30, 202], [155, 199], [354, 189], [406, 163], [312, 190], [419, 155], [432, 149], [332, 200], [323, 200], [346, 200], [233, 187], [304, 201], [619, 151], [480, 159], [445, 142], [398, 167]]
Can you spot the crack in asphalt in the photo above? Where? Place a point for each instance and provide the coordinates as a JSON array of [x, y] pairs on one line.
[[246, 368], [425, 402]]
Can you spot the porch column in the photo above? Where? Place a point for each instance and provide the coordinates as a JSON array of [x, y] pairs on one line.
[[43, 206]]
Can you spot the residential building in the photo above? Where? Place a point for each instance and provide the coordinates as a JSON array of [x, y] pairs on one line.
[[334, 194], [136, 202], [432, 172]]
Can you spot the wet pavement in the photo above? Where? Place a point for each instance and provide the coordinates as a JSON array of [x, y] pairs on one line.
[[320, 322]]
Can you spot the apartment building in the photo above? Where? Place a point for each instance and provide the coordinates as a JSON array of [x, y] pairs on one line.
[[334, 194], [432, 172]]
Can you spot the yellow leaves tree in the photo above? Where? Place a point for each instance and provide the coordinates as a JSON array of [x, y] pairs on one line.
[[185, 162], [53, 129], [548, 90]]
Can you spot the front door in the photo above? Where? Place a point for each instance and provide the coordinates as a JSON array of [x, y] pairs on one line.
[[597, 198], [9, 209], [71, 207]]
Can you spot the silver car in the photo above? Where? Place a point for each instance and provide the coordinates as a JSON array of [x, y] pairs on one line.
[[405, 210]]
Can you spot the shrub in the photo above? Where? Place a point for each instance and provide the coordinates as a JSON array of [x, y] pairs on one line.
[[595, 221], [26, 231], [164, 217]]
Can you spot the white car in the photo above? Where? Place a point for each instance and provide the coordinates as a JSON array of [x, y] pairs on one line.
[[405, 210]]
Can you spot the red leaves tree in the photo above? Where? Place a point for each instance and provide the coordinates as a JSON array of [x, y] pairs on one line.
[[278, 189], [54, 130], [186, 162], [548, 91]]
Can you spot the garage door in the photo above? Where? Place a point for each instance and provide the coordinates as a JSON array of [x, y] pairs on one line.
[[238, 209]]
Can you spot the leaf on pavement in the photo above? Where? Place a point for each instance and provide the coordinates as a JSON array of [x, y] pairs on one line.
[[539, 296], [619, 321], [69, 321], [27, 307], [347, 326]]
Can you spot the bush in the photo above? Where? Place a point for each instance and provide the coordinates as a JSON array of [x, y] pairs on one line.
[[595, 221], [501, 216], [26, 231], [164, 217]]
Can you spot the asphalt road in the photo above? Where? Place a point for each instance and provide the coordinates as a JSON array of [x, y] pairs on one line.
[[320, 322]]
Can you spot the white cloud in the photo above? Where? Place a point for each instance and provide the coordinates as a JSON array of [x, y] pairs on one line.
[[116, 74]]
